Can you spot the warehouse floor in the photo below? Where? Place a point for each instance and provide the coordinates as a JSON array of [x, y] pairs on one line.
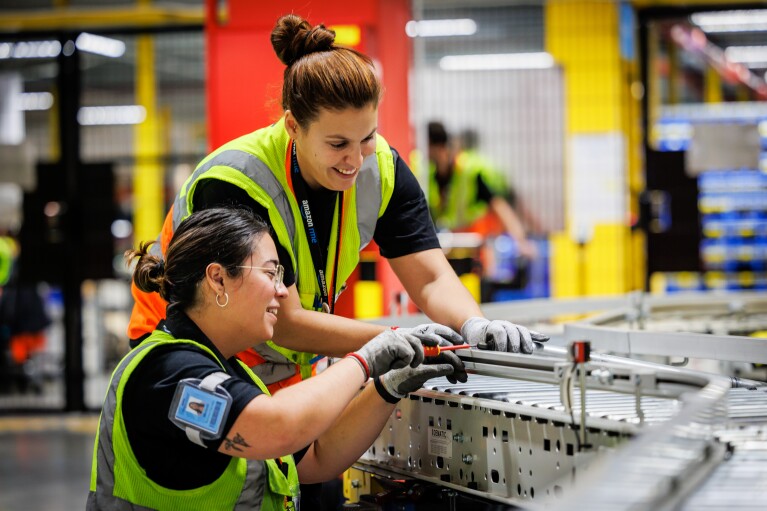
[[45, 462]]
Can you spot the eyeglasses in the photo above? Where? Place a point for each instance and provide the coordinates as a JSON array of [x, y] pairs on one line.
[[276, 273]]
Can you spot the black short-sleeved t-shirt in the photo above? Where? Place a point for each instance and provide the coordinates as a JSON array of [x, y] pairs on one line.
[[162, 448], [405, 227]]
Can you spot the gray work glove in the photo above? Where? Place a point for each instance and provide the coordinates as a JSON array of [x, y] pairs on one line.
[[500, 335], [398, 383], [435, 332], [389, 350], [448, 357]]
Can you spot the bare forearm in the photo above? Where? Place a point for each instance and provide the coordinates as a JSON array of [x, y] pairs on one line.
[[447, 301], [435, 288], [297, 415], [348, 439]]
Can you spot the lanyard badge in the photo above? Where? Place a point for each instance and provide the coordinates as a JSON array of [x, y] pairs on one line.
[[326, 299]]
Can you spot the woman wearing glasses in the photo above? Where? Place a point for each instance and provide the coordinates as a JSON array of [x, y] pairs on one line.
[[185, 425], [328, 184]]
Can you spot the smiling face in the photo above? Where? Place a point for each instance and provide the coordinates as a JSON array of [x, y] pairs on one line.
[[331, 148], [253, 298]]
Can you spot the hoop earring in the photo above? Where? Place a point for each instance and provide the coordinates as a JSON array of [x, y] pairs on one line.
[[222, 305]]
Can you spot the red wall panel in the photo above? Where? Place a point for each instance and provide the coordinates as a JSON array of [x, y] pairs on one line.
[[244, 75]]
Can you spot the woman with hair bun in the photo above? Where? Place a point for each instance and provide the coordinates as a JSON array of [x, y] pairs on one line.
[[327, 183], [186, 425]]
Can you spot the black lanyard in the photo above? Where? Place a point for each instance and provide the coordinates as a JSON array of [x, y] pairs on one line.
[[326, 300]]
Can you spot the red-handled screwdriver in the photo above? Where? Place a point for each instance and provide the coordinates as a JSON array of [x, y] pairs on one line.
[[433, 351]]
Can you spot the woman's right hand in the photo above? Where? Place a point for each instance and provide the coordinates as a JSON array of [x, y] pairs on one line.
[[389, 350]]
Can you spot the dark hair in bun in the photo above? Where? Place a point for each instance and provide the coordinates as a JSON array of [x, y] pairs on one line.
[[318, 73], [293, 37]]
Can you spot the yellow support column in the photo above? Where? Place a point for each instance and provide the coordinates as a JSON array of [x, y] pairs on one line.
[[602, 157], [712, 86], [368, 299], [148, 178], [673, 74], [473, 284]]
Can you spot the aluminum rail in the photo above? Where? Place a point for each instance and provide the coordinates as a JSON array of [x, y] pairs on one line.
[[741, 483], [729, 348], [604, 372], [620, 324], [661, 466], [626, 330], [635, 304], [521, 311]]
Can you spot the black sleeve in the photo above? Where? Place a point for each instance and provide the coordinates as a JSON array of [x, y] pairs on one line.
[[484, 194], [214, 192], [406, 226], [161, 447]]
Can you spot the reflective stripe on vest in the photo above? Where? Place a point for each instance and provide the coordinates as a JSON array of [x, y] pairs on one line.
[[252, 168], [256, 164], [244, 484]]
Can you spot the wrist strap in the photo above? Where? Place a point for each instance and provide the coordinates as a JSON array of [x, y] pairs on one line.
[[385, 393], [362, 363]]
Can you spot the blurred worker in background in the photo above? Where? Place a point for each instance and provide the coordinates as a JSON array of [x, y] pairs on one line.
[[465, 189], [328, 184], [228, 443], [23, 322]]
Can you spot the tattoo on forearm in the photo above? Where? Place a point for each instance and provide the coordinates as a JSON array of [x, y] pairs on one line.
[[235, 442]]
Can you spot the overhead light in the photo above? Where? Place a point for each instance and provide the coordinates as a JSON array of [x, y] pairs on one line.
[[752, 56], [441, 28], [497, 61], [36, 101], [122, 228], [30, 50], [50, 49], [105, 115], [100, 45], [732, 21]]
